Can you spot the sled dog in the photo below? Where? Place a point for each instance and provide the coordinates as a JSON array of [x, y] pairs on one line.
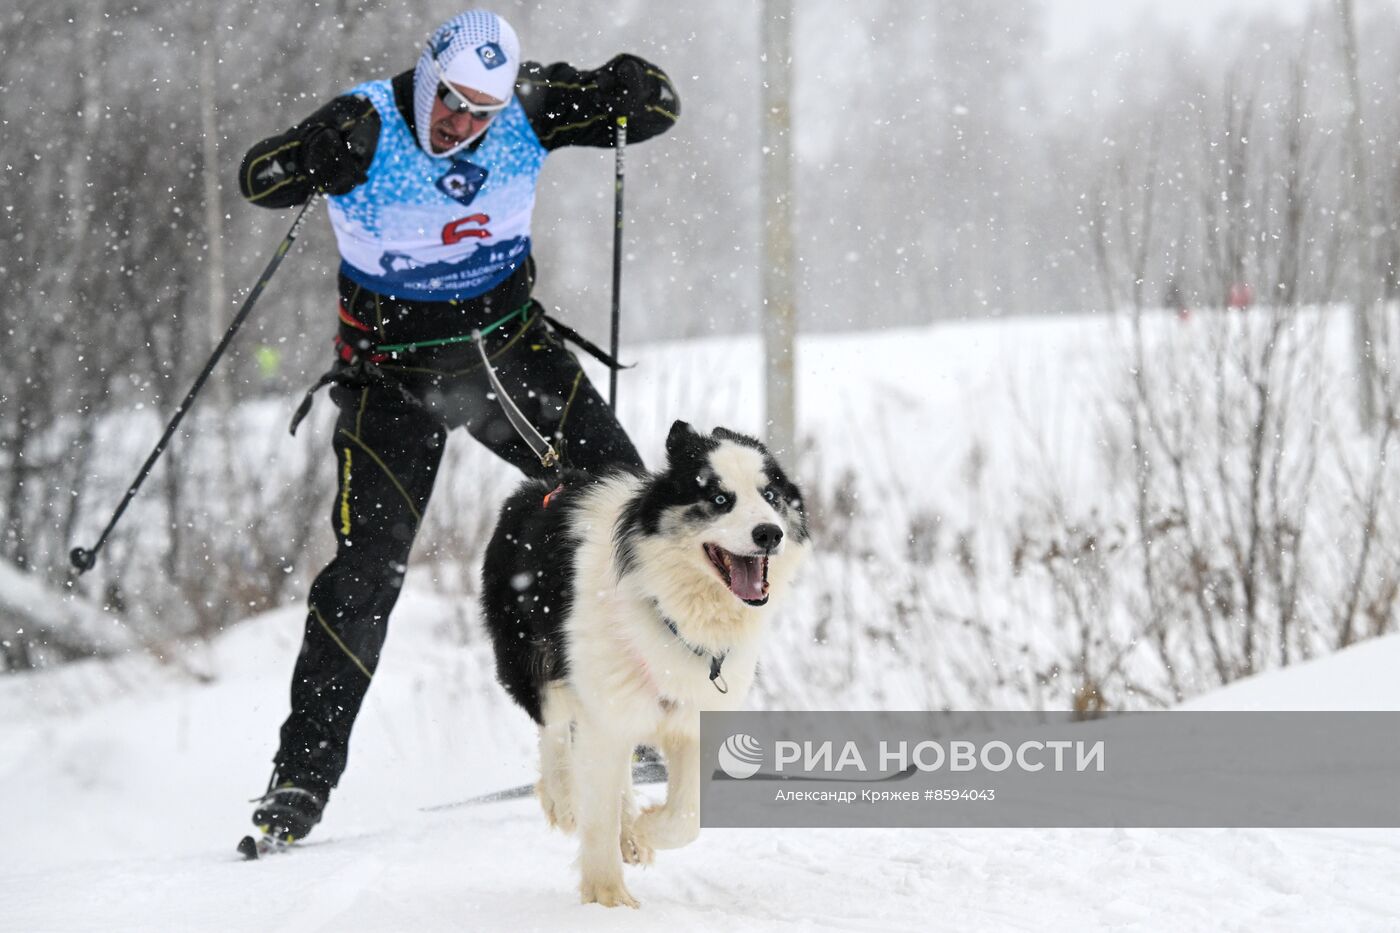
[[620, 606]]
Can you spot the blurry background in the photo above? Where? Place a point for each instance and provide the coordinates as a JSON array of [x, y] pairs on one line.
[[1095, 403]]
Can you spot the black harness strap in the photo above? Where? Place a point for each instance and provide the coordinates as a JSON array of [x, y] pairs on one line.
[[588, 346], [360, 373], [716, 660]]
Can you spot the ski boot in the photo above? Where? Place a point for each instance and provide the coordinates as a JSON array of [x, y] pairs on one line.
[[285, 814]]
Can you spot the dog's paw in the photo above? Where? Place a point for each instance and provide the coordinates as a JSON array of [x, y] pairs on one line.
[[607, 893], [635, 850], [659, 828], [557, 805]]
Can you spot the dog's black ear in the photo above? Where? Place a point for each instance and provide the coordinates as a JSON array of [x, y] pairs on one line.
[[724, 434], [681, 438]]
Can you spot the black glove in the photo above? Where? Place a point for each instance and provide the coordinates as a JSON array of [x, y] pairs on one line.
[[327, 160], [626, 81]]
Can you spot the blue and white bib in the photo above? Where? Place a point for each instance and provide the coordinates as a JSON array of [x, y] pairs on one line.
[[439, 229]]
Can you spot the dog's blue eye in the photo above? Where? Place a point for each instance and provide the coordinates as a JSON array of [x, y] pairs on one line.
[[720, 499], [770, 495]]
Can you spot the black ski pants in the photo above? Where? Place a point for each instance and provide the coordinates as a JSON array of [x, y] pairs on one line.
[[388, 442]]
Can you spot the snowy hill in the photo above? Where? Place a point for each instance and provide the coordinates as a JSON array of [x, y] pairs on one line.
[[1360, 678], [127, 786]]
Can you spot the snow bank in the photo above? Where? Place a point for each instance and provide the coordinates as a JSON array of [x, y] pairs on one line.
[[127, 783]]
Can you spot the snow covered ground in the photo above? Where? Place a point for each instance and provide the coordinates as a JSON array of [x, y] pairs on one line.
[[126, 784], [126, 788]]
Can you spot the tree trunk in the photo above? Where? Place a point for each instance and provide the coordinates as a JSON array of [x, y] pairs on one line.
[[1362, 291], [780, 318], [213, 203]]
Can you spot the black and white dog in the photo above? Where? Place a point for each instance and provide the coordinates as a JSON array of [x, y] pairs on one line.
[[622, 605]]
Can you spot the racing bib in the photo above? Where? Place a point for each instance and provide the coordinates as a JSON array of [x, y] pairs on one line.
[[439, 229]]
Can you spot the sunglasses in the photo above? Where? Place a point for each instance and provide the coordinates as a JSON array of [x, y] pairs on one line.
[[458, 104]]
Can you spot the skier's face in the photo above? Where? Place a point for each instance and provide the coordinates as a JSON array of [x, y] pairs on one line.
[[452, 123]]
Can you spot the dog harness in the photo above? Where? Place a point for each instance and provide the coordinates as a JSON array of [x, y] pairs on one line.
[[716, 660]]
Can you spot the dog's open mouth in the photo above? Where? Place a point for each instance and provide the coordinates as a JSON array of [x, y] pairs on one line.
[[746, 576]]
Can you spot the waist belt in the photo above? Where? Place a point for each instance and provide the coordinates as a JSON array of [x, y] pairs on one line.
[[363, 366]]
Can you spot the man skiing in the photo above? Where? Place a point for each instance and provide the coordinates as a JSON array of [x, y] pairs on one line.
[[431, 179]]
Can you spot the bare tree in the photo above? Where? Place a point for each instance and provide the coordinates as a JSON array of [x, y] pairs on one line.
[[1362, 287]]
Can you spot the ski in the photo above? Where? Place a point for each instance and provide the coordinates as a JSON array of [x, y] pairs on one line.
[[253, 848], [648, 771]]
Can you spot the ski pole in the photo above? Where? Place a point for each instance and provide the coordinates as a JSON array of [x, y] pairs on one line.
[[621, 145], [85, 558]]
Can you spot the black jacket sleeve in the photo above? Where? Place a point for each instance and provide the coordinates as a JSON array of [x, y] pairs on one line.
[[569, 107], [330, 150]]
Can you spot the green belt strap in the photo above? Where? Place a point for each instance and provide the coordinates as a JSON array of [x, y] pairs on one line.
[[418, 344]]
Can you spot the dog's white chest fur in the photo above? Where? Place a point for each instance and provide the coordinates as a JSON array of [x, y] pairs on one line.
[[621, 654]]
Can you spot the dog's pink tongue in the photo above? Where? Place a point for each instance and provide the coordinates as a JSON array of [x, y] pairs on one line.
[[746, 577]]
